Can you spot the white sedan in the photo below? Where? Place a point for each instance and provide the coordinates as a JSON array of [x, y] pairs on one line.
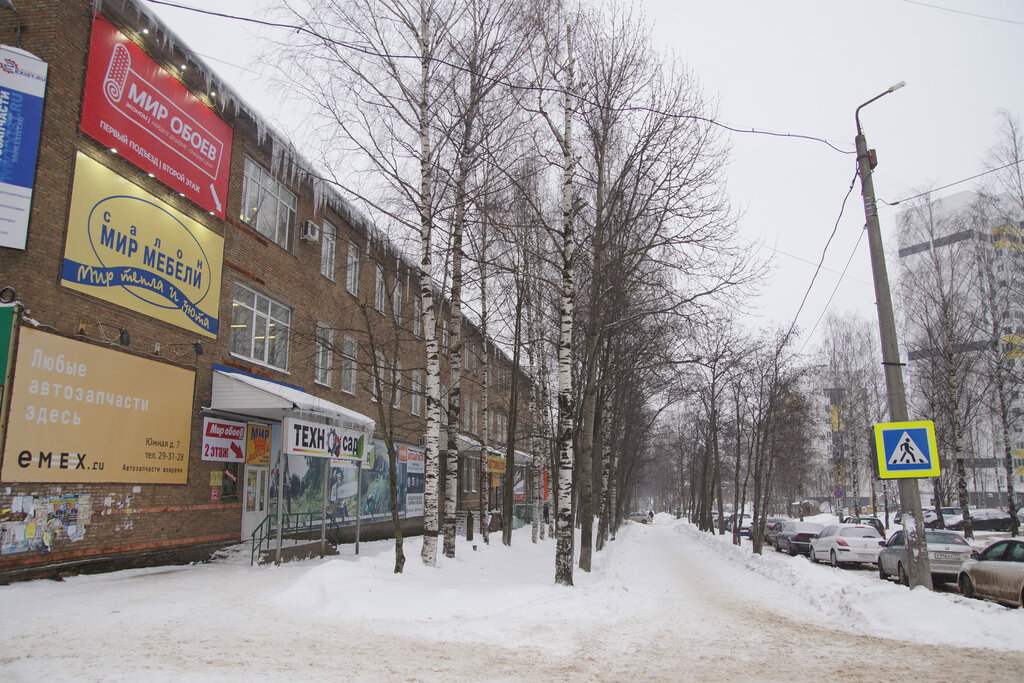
[[845, 543]]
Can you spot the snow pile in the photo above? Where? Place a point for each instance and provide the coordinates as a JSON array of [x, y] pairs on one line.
[[858, 600]]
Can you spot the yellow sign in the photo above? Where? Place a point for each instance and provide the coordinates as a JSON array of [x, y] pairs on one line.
[[905, 450], [217, 478], [126, 246], [495, 464], [257, 445], [84, 413]]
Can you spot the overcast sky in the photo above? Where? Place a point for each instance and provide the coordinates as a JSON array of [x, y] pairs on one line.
[[801, 67]]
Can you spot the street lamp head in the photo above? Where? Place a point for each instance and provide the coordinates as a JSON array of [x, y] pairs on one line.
[[897, 86]]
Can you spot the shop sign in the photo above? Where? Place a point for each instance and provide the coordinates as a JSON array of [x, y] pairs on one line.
[[126, 246], [22, 87], [223, 440], [133, 105], [414, 473], [257, 445], [320, 440], [495, 464], [84, 413]]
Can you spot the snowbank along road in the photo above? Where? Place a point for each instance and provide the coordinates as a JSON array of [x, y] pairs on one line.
[[664, 603]]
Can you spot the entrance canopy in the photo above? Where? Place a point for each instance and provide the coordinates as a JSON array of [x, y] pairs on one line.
[[247, 395]]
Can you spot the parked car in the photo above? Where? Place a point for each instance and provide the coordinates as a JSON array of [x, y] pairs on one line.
[[795, 537], [846, 543], [983, 519], [870, 521], [997, 573], [947, 550], [772, 527], [640, 517], [930, 517]]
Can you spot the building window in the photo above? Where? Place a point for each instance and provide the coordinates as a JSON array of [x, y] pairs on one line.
[[444, 336], [473, 417], [328, 247], [470, 474], [267, 205], [417, 316], [322, 373], [376, 380], [259, 328], [444, 405], [352, 274], [348, 365], [417, 392], [396, 384], [380, 294], [396, 302]]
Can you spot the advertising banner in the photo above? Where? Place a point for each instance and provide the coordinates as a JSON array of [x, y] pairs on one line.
[[415, 471], [127, 247], [257, 445], [319, 440], [84, 413], [496, 464], [223, 440], [132, 105], [22, 86]]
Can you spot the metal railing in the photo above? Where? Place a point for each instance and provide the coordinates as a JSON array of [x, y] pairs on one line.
[[293, 526]]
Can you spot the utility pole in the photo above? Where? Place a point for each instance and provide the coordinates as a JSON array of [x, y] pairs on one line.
[[918, 571]]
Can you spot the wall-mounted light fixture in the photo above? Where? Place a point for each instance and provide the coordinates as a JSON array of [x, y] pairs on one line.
[[196, 346]]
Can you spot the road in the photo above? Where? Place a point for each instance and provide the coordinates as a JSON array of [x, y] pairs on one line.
[[659, 607]]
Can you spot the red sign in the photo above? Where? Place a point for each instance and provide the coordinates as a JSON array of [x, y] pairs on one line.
[[223, 440], [214, 494], [132, 105]]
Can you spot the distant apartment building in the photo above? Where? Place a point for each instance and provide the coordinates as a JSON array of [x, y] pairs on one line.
[[960, 289]]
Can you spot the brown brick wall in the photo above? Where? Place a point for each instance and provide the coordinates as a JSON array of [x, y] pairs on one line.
[[132, 521]]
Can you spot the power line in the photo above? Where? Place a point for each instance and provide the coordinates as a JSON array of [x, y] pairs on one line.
[[824, 251], [957, 182], [970, 14], [498, 81], [834, 290]]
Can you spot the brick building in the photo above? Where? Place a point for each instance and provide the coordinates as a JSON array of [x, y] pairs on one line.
[[190, 319]]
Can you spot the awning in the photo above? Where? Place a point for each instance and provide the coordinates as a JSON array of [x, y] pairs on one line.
[[239, 393]]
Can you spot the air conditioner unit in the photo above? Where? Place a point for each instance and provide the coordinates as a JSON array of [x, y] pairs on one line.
[[310, 231]]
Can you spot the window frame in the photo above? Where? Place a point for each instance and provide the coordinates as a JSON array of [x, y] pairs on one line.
[[259, 188], [324, 351], [352, 269], [349, 365], [328, 250], [256, 311]]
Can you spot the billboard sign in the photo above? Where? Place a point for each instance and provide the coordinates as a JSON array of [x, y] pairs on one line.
[[415, 473], [133, 105], [223, 440], [83, 413], [22, 86], [126, 246], [320, 440], [257, 445]]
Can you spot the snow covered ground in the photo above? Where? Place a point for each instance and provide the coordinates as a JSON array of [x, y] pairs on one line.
[[664, 601]]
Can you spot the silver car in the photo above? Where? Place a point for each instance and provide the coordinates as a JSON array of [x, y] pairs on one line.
[[947, 550], [997, 573]]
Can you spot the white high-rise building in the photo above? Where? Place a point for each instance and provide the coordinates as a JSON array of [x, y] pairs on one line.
[[960, 298]]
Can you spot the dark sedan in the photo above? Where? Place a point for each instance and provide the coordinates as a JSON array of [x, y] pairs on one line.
[[795, 537], [983, 519], [773, 525]]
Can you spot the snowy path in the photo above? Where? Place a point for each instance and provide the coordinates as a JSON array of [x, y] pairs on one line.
[[665, 603]]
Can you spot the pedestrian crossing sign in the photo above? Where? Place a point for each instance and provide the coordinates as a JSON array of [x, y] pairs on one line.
[[906, 449]]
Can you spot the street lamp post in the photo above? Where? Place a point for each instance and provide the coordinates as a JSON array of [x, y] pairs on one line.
[[918, 571]]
